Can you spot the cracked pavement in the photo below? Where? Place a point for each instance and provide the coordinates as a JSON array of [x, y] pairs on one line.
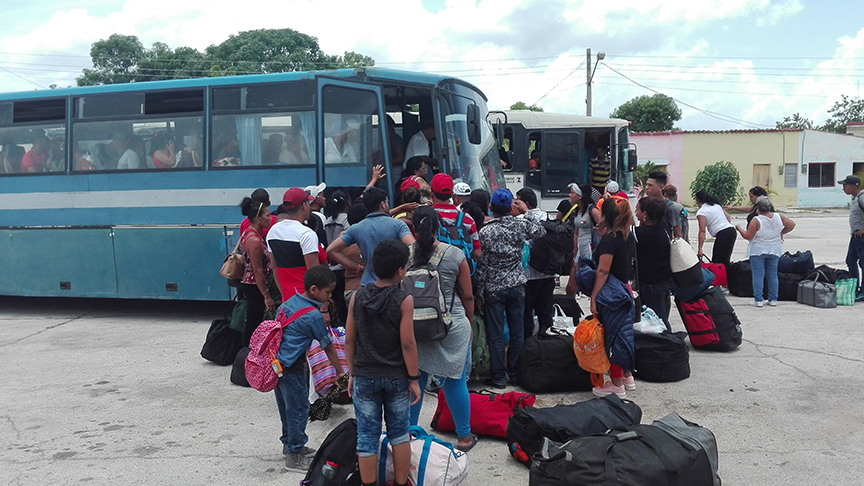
[[115, 392]]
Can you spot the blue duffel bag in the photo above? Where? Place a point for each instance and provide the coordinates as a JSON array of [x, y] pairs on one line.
[[689, 295]]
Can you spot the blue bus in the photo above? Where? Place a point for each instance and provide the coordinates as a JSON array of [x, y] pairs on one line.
[[131, 190]]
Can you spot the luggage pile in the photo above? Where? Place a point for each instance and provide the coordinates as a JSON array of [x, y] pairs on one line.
[[710, 320]]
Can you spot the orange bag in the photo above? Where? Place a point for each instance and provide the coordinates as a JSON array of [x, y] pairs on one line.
[[589, 347]]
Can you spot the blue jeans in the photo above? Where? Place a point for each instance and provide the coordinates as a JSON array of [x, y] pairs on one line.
[[458, 399], [292, 399], [370, 396], [855, 258], [509, 303], [762, 265]]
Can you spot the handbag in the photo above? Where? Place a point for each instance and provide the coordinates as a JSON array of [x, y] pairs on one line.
[[686, 269], [233, 265], [798, 262], [588, 344], [846, 291], [561, 320]]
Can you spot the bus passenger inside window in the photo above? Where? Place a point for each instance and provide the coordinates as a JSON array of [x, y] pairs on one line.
[[295, 152], [164, 156], [57, 157], [127, 157], [227, 150], [36, 160], [11, 156], [272, 148], [192, 154], [343, 145], [81, 159], [534, 161]]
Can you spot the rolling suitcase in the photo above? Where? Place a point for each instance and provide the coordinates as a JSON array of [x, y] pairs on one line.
[[711, 322]]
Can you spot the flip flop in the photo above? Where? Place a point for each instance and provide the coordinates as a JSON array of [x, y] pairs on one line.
[[474, 439]]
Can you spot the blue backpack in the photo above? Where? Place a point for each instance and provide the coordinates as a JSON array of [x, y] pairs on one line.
[[459, 237]]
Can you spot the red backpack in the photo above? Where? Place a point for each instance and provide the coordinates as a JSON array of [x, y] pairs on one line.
[[262, 369]]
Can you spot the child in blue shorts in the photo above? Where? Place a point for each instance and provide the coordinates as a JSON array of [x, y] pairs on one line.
[[292, 390], [382, 362]]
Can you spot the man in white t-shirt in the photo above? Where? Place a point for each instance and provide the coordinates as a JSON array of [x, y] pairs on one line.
[[317, 206], [419, 143], [293, 246]]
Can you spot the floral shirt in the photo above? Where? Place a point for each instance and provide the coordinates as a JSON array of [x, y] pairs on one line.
[[501, 241], [248, 273]]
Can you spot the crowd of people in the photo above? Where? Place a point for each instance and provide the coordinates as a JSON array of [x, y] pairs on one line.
[[348, 258]]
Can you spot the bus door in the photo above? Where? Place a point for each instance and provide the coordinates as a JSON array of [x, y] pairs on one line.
[[351, 131], [562, 161]]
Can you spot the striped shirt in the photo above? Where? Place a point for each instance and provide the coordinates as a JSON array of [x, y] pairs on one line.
[[450, 214]]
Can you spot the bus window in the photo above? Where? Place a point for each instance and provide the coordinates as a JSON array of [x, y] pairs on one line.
[[138, 144], [33, 149], [533, 155], [560, 164], [263, 125], [351, 131]]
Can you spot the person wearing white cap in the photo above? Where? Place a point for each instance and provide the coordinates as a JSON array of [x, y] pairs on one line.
[[461, 193], [613, 189], [317, 205]]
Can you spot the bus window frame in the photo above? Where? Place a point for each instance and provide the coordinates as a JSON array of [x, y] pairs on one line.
[[544, 157], [377, 90]]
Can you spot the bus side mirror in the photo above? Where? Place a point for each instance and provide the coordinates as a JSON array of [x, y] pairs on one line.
[[499, 132], [632, 160], [473, 122]]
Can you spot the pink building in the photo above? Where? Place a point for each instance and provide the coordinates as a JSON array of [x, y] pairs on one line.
[[666, 149]]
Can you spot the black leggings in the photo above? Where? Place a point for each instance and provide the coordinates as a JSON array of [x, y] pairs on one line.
[[724, 243], [254, 310]]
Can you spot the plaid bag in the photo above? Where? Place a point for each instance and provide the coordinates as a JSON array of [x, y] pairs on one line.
[[846, 291]]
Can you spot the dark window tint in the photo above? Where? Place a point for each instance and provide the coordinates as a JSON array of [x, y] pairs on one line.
[[265, 97], [41, 110], [356, 102], [117, 104], [562, 153], [163, 102], [821, 175]]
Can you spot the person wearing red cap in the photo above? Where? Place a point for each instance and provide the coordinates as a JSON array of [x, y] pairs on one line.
[[442, 192], [293, 246]]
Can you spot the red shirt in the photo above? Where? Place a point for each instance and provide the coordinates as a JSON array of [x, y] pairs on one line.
[[450, 214], [244, 225], [38, 162]]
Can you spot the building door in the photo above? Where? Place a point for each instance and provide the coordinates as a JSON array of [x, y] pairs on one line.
[[762, 175]]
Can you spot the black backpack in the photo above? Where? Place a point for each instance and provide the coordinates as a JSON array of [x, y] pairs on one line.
[[552, 253], [222, 343], [541, 363], [669, 452], [528, 426], [339, 452]]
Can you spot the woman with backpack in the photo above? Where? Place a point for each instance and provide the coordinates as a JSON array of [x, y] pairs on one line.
[[448, 357]]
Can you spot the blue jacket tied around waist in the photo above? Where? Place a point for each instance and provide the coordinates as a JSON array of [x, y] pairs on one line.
[[616, 310]]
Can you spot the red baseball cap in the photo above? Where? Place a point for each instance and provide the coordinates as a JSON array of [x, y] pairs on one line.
[[294, 197], [442, 184], [409, 183]]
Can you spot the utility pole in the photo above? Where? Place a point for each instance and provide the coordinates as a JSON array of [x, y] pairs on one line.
[[588, 84]]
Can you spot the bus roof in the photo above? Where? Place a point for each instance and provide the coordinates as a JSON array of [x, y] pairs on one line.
[[535, 119], [359, 74]]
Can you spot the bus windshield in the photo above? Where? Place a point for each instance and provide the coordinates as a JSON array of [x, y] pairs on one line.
[[478, 165]]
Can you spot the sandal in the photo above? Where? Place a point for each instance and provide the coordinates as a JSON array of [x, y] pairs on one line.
[[474, 439]]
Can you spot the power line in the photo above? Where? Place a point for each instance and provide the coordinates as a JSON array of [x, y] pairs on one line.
[[559, 82], [713, 114], [22, 77]]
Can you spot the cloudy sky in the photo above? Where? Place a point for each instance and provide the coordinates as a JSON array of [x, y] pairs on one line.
[[729, 63]]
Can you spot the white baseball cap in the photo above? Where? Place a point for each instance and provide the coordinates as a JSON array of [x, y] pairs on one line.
[[315, 190], [462, 189]]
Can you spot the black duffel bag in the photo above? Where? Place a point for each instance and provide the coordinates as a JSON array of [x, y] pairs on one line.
[[739, 278], [797, 262], [662, 358], [222, 343], [238, 371], [669, 452], [528, 426], [548, 364]]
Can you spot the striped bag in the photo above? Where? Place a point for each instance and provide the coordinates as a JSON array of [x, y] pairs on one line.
[[323, 373]]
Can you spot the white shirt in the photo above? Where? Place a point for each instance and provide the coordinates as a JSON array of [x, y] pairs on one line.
[[715, 218], [418, 145], [288, 157], [129, 160], [767, 239]]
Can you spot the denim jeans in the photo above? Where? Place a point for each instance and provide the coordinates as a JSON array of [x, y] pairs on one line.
[[656, 296], [540, 300], [370, 396], [855, 258], [292, 399], [763, 265], [509, 302]]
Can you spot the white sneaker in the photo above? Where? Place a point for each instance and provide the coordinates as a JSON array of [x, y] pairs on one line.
[[772, 303], [758, 304]]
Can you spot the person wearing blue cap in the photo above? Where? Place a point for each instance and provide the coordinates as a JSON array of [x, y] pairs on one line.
[[501, 282]]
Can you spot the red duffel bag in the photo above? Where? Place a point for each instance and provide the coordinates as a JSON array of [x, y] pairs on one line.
[[489, 412], [719, 271]]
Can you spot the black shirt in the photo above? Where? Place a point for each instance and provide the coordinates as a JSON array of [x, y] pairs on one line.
[[652, 253], [615, 245], [377, 317]]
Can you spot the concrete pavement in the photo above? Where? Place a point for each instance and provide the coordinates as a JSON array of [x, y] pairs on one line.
[[114, 392]]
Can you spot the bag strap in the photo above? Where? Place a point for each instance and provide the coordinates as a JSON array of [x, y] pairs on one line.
[[292, 318], [564, 219], [860, 204], [237, 245]]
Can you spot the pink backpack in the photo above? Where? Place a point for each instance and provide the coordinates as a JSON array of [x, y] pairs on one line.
[[261, 371]]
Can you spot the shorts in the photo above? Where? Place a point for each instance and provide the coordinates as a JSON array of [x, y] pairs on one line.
[[370, 396]]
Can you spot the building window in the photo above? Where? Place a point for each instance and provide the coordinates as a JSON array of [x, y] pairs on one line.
[[857, 167], [790, 175], [821, 175]]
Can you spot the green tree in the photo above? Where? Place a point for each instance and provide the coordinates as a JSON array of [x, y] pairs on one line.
[[846, 110], [721, 180], [656, 113], [123, 59], [520, 105], [795, 121]]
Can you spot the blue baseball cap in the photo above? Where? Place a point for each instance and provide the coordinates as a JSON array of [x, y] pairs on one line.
[[502, 197]]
